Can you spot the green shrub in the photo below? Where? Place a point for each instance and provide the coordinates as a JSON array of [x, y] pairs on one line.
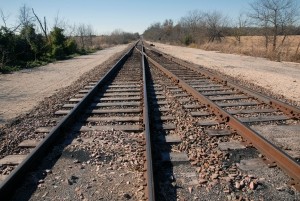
[[188, 40], [58, 52], [70, 46]]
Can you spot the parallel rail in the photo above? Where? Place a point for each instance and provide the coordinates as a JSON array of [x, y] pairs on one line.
[[8, 186], [272, 153], [149, 173]]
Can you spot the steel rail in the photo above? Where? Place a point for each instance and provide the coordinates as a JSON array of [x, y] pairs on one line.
[[273, 154], [8, 186], [287, 109], [150, 190]]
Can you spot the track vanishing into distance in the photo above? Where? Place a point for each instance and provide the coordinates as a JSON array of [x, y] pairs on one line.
[[184, 127]]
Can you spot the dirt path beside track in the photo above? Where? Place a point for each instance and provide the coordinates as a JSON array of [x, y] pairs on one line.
[[22, 91]]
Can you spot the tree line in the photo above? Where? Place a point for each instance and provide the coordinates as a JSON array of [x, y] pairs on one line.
[[268, 18], [31, 43]]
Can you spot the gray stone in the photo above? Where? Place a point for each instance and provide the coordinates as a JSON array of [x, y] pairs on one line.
[[232, 145], [251, 164]]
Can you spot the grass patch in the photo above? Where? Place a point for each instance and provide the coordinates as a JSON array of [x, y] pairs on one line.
[[9, 69]]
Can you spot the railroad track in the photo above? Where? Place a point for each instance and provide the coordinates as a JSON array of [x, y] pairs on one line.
[[148, 98], [115, 103], [232, 108]]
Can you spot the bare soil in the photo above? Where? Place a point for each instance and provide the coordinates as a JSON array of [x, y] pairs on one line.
[[281, 78], [21, 91]]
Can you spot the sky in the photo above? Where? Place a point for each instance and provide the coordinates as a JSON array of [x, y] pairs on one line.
[[106, 16]]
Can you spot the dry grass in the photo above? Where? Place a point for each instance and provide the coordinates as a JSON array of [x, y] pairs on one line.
[[289, 50], [97, 43]]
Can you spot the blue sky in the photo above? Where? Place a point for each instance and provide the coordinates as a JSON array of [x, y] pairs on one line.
[[127, 15]]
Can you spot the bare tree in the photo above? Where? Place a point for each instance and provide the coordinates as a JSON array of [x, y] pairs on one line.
[[85, 34], [90, 34], [273, 15], [25, 17], [43, 27], [153, 32], [60, 22], [177, 34], [216, 23], [194, 25], [4, 17], [193, 20], [70, 30], [240, 27], [81, 34], [168, 27]]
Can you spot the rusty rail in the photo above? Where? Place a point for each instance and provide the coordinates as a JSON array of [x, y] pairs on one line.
[[150, 191], [273, 154]]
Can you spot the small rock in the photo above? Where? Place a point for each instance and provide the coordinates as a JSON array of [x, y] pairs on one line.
[[173, 184], [127, 196], [190, 189], [226, 191], [69, 182], [194, 163], [140, 188], [252, 185], [233, 175], [227, 179], [41, 181], [225, 165], [45, 194], [76, 161], [281, 188], [48, 171], [202, 181], [242, 183], [214, 176], [233, 169], [237, 185], [198, 169]]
